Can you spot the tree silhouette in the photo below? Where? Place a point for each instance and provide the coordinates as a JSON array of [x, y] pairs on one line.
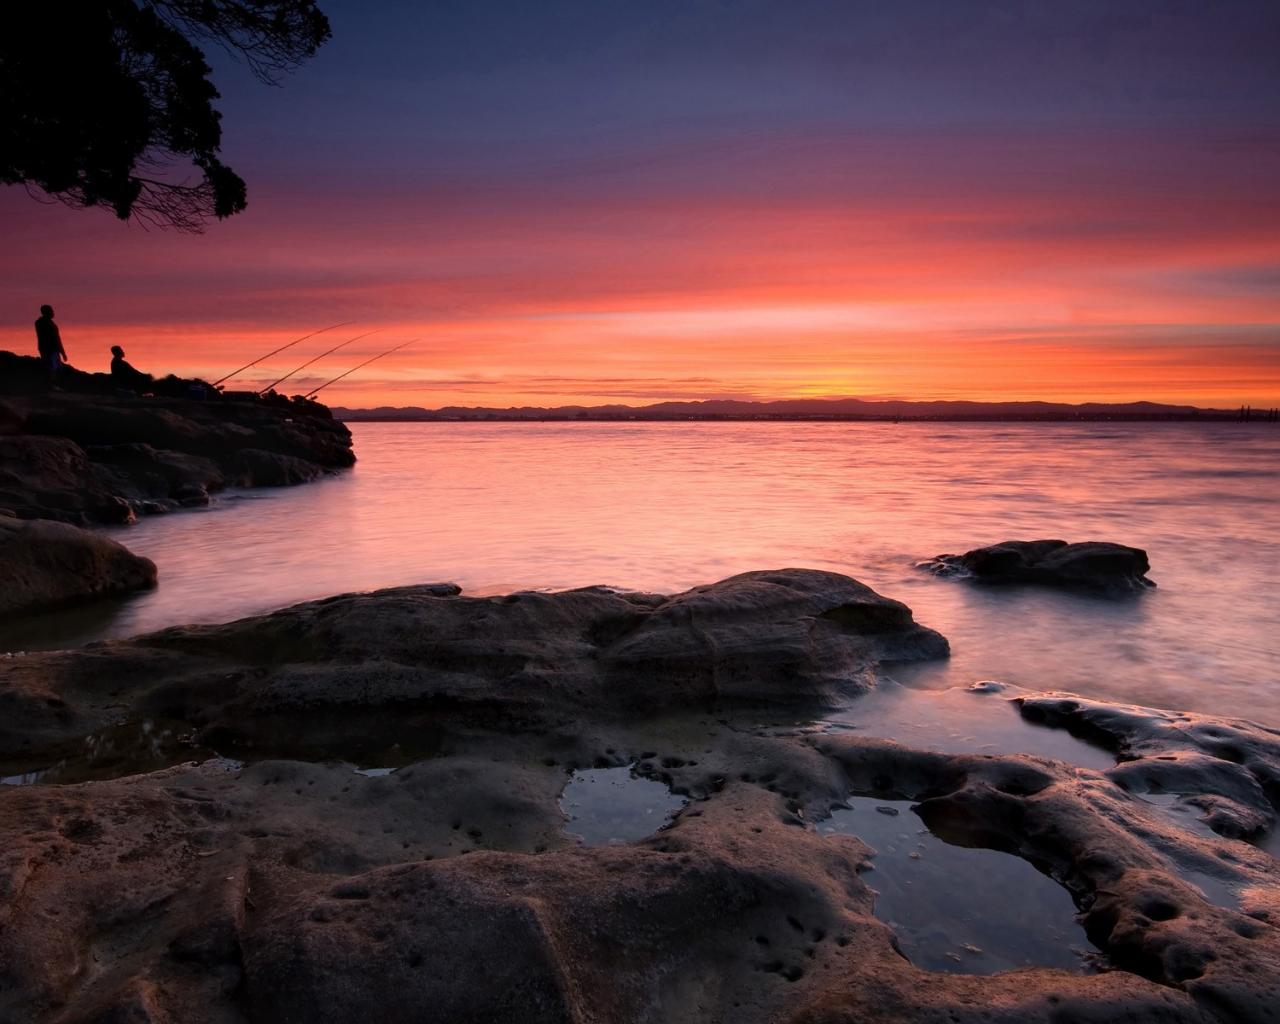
[[109, 103]]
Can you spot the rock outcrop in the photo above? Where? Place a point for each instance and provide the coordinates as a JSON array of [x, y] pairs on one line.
[[97, 457], [47, 565], [147, 878], [53, 478], [106, 458], [1098, 566]]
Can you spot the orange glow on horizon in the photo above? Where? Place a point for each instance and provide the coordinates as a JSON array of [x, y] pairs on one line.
[[1081, 281], [618, 360]]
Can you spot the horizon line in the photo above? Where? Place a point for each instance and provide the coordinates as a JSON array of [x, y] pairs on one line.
[[846, 408]]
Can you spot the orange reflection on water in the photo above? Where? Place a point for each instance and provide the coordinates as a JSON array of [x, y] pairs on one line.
[[665, 506]]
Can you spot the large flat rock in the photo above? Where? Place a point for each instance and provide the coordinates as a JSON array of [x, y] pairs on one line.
[[146, 878], [788, 638]]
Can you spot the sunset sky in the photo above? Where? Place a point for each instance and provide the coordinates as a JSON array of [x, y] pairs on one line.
[[627, 202]]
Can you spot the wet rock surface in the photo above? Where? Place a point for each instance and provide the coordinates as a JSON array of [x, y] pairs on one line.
[[1097, 566], [1230, 768], [48, 565], [303, 881]]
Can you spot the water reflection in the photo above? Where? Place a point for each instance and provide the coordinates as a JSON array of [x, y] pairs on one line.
[[29, 778], [956, 909], [665, 506], [607, 806], [961, 721]]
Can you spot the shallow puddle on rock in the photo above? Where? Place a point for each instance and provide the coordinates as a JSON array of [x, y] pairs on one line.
[[961, 721], [370, 745], [25, 778], [369, 773], [956, 909], [1171, 807], [1215, 890], [614, 805], [132, 749]]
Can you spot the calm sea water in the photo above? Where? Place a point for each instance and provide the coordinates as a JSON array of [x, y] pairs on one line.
[[666, 506]]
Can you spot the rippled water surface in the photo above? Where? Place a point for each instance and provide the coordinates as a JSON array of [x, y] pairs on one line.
[[669, 505]]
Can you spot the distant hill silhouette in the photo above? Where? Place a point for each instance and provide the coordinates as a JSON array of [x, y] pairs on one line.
[[803, 409]]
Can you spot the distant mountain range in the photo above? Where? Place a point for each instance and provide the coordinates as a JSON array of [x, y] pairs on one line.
[[807, 409]]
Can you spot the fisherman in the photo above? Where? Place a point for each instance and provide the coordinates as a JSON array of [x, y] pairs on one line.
[[125, 376], [49, 344]]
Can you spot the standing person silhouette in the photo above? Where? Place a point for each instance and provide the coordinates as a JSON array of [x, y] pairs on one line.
[[49, 342]]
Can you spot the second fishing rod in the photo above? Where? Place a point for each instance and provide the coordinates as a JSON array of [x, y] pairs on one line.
[[314, 391], [314, 359]]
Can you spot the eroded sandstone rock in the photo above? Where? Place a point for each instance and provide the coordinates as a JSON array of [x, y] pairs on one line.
[[257, 468], [291, 887], [140, 473], [199, 895], [1231, 765]]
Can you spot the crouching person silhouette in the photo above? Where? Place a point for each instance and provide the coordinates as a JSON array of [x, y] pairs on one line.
[[124, 376]]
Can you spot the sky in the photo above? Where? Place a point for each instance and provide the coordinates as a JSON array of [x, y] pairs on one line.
[[598, 202]]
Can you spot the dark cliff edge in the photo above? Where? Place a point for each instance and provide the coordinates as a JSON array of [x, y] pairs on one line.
[[90, 454]]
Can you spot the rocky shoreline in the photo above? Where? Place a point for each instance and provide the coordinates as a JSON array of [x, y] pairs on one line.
[[90, 460], [93, 456], [349, 809]]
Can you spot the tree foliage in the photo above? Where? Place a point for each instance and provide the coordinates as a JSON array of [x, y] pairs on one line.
[[109, 102]]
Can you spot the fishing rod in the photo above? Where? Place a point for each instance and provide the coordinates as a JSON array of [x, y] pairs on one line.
[[353, 369], [316, 359], [346, 323]]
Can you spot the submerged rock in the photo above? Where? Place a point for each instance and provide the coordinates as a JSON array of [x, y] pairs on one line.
[[45, 565], [1095, 565]]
